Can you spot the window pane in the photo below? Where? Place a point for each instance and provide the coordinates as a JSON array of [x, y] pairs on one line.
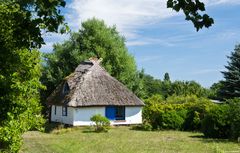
[[120, 113], [55, 109], [64, 111]]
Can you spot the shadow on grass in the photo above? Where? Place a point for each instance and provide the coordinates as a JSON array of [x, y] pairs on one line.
[[88, 130], [63, 128], [50, 127], [204, 139], [140, 128], [197, 136], [91, 129]]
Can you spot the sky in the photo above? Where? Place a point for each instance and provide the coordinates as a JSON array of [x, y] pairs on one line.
[[160, 39]]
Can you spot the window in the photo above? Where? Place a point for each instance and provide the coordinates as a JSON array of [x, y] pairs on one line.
[[64, 110], [115, 112], [120, 113], [55, 109], [66, 88]]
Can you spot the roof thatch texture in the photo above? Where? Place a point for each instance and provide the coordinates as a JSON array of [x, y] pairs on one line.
[[91, 85]]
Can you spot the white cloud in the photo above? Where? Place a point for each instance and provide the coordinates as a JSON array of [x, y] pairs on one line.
[[150, 41], [51, 39], [130, 17], [149, 58], [169, 40], [217, 2], [207, 71], [127, 15]]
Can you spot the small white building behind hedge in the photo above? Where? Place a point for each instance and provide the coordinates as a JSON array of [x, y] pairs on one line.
[[90, 90]]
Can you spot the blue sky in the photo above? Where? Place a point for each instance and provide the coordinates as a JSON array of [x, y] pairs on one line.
[[160, 39]]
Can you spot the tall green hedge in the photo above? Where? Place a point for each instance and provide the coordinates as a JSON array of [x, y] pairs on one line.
[[223, 121], [176, 112]]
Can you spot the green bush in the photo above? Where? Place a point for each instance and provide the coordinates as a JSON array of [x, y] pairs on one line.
[[216, 123], [176, 112], [173, 119], [165, 116], [10, 139], [223, 121], [234, 115], [101, 123], [196, 111]]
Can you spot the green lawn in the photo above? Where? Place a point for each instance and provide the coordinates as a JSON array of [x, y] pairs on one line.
[[124, 140]]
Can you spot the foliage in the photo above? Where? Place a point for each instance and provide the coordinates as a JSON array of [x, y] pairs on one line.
[[182, 99], [158, 113], [101, 123], [231, 84], [166, 77], [223, 121], [151, 86], [139, 88], [19, 99], [21, 25], [166, 88], [172, 119], [234, 116], [94, 39], [215, 91], [185, 88], [27, 19], [192, 9], [176, 112], [196, 112], [216, 123]]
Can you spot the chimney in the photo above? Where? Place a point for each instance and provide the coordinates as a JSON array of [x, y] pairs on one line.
[[95, 60]]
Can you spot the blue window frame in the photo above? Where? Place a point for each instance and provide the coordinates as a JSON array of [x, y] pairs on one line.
[[115, 112]]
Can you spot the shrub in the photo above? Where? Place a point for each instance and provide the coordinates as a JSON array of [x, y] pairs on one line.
[[176, 112], [196, 111], [11, 131], [165, 116], [223, 121], [10, 139], [216, 123], [234, 115], [173, 119], [101, 123]]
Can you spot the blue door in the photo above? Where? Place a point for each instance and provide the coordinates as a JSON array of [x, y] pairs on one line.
[[110, 112]]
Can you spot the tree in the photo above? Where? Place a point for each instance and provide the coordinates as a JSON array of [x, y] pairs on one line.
[[166, 77], [166, 86], [191, 10], [185, 88], [151, 86], [94, 39], [20, 109], [231, 84], [21, 23], [215, 91], [29, 17]]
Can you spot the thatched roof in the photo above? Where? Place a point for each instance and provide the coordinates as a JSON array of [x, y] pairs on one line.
[[91, 85]]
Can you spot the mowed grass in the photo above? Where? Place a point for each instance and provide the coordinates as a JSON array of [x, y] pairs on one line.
[[124, 140]]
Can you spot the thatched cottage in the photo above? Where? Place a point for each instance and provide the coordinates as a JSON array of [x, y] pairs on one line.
[[91, 90]]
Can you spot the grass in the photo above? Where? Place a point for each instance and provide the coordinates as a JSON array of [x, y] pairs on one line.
[[123, 140]]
